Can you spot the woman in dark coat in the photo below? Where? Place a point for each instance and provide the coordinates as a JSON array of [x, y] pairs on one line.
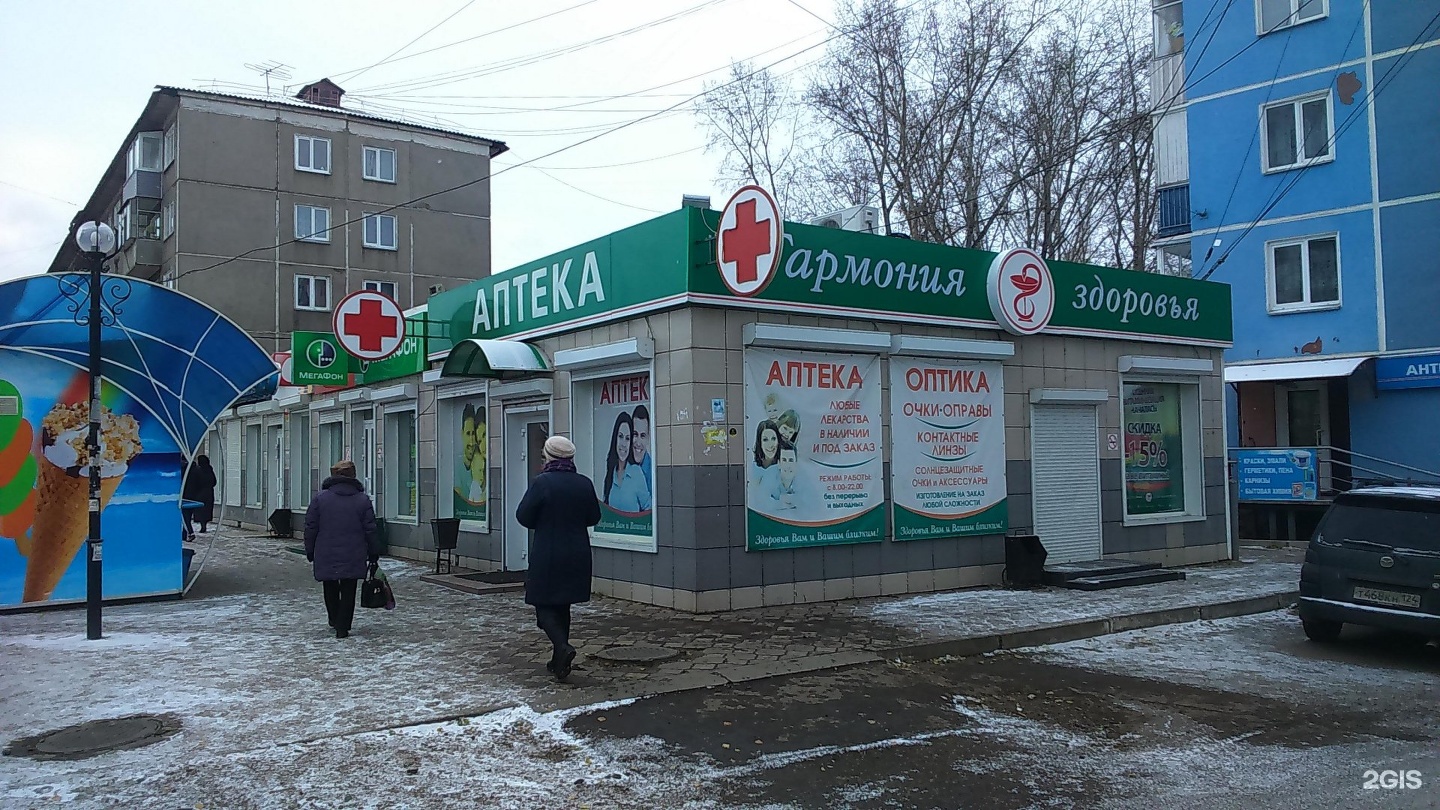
[[560, 506], [199, 486], [340, 539]]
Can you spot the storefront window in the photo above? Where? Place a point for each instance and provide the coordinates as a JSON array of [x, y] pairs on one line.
[[332, 446], [402, 484], [1162, 450], [254, 465], [613, 433], [464, 460]]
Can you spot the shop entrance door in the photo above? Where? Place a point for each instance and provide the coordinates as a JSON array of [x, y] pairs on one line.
[[363, 449], [1065, 481], [526, 430], [1302, 419], [275, 460]]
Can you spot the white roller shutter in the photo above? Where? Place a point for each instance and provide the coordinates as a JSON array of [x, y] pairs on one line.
[[230, 462], [1065, 476]]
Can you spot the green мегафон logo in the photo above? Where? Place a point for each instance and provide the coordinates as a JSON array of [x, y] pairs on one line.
[[321, 354]]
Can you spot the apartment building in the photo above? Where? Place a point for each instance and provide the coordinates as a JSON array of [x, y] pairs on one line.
[[1296, 144], [272, 210]]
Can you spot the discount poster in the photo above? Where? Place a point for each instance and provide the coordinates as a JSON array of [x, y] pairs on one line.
[[814, 470], [45, 488], [622, 466], [948, 448], [1154, 449]]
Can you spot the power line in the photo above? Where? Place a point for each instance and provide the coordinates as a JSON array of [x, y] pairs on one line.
[[37, 193], [401, 49], [1285, 188], [593, 194]]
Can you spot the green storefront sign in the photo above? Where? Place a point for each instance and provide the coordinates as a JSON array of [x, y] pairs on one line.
[[410, 359], [670, 260], [317, 359]]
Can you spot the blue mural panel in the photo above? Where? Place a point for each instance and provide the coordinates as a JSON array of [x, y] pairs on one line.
[[1395, 24], [1397, 426], [1238, 56], [1411, 241], [171, 366], [1259, 335], [1407, 123]]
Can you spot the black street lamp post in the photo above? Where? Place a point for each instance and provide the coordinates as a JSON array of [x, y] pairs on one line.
[[96, 240]]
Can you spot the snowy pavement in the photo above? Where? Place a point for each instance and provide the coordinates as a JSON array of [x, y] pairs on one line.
[[249, 667]]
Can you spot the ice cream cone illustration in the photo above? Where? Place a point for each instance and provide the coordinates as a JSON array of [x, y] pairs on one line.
[[62, 490], [17, 468]]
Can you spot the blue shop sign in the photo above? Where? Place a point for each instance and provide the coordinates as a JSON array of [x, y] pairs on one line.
[[1276, 475], [1413, 371]]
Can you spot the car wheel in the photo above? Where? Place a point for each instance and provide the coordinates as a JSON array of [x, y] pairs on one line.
[[1321, 629]]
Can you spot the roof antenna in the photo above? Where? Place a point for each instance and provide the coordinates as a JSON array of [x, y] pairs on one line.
[[275, 68]]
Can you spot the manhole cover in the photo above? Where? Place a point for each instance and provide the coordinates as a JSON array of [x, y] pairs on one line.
[[637, 655], [95, 737]]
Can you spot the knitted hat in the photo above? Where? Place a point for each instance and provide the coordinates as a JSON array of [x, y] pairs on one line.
[[345, 467], [559, 447]]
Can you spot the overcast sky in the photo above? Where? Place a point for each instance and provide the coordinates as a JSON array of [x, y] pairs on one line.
[[78, 74]]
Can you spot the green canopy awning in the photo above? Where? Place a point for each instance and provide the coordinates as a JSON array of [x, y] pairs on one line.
[[495, 359]]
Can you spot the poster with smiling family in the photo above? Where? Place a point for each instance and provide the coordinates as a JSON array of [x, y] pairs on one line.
[[813, 459], [623, 467]]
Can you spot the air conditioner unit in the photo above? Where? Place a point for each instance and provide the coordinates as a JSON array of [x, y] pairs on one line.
[[436, 289], [863, 218]]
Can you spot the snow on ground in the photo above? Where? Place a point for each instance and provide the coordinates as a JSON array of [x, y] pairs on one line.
[[987, 611]]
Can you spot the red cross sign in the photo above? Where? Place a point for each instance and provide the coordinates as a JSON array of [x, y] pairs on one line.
[[749, 241], [369, 325]]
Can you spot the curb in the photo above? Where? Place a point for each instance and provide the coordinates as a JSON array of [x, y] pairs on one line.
[[1089, 628]]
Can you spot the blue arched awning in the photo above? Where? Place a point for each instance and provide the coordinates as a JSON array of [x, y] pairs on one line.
[[182, 361]]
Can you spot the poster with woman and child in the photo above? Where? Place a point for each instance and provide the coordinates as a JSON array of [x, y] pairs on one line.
[[622, 467], [813, 460]]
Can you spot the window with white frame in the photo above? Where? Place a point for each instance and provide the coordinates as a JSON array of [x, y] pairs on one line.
[[147, 153], [612, 425], [170, 145], [312, 154], [169, 218], [1276, 14], [379, 164], [312, 293], [1169, 29], [382, 287], [380, 231], [1297, 132], [312, 223], [1304, 273], [1162, 464], [464, 452], [254, 464], [402, 491]]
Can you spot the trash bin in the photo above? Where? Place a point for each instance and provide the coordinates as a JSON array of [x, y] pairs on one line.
[[446, 532], [382, 533], [1024, 561], [281, 523]]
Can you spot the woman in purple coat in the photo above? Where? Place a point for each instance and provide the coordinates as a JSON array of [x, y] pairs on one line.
[[340, 539]]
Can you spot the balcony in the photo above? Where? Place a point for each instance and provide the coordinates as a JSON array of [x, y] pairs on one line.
[[141, 183], [1173, 211]]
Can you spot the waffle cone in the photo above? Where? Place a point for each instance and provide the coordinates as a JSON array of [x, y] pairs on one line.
[[62, 522]]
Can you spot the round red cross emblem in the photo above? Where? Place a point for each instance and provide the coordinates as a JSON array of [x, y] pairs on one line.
[[369, 325], [747, 247]]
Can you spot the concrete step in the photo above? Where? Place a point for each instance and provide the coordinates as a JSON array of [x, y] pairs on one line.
[[1108, 581], [1061, 573]]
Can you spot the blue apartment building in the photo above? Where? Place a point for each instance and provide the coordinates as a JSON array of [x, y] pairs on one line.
[[1298, 158]]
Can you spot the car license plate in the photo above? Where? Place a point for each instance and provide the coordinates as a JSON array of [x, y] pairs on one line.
[[1395, 598]]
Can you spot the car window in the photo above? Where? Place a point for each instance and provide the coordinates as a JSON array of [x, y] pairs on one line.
[[1395, 522]]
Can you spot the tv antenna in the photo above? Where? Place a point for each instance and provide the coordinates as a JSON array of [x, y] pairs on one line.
[[275, 68]]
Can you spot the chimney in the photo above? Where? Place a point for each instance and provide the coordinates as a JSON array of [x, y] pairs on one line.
[[324, 92]]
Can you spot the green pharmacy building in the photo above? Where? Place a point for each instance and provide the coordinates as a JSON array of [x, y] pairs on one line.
[[776, 413]]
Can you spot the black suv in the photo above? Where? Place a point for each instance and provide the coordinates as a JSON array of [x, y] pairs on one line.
[[1374, 560]]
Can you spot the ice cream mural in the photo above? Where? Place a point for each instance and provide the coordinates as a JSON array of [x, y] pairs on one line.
[[172, 366]]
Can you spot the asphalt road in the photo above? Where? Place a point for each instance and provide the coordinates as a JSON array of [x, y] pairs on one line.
[[1240, 713]]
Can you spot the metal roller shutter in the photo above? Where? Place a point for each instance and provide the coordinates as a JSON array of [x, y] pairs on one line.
[[231, 462], [1065, 475]]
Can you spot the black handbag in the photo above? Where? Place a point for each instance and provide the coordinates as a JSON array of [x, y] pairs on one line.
[[372, 593]]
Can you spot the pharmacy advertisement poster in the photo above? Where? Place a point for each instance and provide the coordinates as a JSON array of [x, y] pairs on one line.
[[814, 467], [1154, 449], [947, 448], [621, 463], [469, 433]]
